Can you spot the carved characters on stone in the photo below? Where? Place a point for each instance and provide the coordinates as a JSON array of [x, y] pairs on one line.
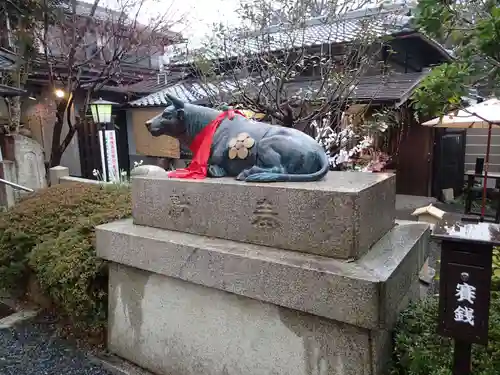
[[239, 147], [179, 205], [265, 215]]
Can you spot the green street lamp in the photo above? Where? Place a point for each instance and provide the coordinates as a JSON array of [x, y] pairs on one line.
[[101, 111]]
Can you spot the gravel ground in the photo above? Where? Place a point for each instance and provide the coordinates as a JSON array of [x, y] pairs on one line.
[[33, 349]]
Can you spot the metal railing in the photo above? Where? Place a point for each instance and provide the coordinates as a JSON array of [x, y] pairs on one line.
[[15, 186]]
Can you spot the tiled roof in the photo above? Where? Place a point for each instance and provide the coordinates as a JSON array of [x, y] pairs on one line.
[[394, 87], [5, 63], [188, 91], [7, 59], [369, 23], [147, 86], [6, 91]]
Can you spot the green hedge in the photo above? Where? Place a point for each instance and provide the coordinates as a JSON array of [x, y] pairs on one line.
[[495, 279], [419, 350], [50, 235]]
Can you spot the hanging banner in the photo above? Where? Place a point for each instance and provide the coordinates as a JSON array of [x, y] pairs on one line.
[[112, 156], [103, 160]]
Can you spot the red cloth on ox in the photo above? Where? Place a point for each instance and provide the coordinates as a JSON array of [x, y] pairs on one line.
[[201, 147]]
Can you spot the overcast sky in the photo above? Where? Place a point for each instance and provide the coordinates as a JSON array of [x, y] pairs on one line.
[[199, 15], [202, 14]]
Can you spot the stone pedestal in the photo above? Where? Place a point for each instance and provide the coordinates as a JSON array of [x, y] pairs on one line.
[[341, 216], [56, 173], [195, 301]]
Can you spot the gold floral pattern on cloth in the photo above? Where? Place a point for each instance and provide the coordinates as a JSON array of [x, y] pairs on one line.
[[239, 147]]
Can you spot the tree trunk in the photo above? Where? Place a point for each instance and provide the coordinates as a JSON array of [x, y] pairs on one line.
[[55, 158], [56, 151], [15, 114]]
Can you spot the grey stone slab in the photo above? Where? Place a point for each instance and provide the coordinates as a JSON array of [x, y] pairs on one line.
[[381, 340], [55, 174], [18, 317], [381, 346], [30, 163], [360, 293], [340, 216], [375, 214], [170, 326], [398, 264], [116, 365]]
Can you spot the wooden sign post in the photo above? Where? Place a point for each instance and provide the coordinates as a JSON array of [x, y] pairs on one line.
[[465, 286]]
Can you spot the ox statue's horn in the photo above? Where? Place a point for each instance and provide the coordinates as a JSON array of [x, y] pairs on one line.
[[176, 102]]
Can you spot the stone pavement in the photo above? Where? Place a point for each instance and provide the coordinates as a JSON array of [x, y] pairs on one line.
[[32, 348]]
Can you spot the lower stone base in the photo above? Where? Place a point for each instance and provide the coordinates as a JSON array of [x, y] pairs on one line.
[[174, 327]]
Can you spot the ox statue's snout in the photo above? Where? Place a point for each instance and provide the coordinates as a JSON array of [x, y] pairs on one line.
[[166, 123], [152, 126], [148, 125]]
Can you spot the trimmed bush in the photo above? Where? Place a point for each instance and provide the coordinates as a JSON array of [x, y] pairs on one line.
[[50, 235], [419, 350], [495, 279]]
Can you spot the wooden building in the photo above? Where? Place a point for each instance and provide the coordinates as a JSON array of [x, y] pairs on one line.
[[39, 105]]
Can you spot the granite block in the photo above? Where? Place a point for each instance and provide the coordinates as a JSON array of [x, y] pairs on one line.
[[400, 269], [381, 346], [170, 326], [381, 340], [362, 293], [340, 216]]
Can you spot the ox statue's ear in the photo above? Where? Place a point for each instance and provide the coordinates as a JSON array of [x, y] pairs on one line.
[[176, 102]]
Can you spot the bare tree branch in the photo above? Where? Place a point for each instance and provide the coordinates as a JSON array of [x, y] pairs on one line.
[[284, 66], [85, 52]]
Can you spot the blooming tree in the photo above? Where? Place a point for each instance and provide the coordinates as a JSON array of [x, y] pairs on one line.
[[299, 63], [344, 143]]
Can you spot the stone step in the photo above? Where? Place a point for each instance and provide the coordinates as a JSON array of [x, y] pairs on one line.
[[365, 293], [339, 217]]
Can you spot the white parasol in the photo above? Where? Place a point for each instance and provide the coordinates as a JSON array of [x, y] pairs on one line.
[[484, 115]]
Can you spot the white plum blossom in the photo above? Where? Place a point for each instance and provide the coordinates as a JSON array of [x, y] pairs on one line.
[[138, 164], [341, 140]]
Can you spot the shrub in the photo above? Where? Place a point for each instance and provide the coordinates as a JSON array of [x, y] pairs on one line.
[[50, 235], [495, 279], [419, 350]]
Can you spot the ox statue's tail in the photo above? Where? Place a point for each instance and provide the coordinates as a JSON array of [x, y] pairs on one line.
[[321, 157]]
